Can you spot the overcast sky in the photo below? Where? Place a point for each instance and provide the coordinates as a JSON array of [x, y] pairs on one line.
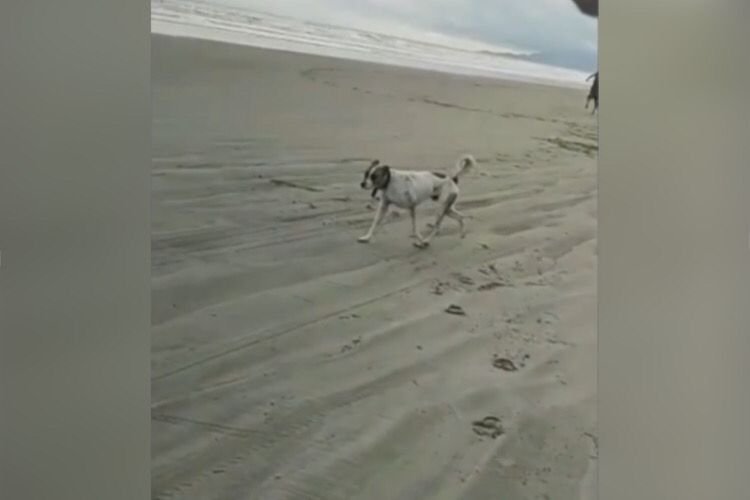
[[554, 28]]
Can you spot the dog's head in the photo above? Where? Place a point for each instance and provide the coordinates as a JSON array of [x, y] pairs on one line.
[[376, 176]]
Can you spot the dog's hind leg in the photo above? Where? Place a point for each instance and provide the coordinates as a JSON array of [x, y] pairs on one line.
[[436, 228], [379, 216], [458, 217]]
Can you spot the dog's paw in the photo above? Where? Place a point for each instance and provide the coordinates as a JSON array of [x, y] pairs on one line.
[[421, 244], [363, 239]]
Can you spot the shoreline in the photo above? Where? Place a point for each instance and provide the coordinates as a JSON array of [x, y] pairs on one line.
[[189, 31]]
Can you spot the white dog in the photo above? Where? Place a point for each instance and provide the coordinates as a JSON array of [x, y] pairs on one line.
[[407, 189]]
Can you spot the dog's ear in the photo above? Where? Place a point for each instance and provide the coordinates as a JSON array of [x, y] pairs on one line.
[[374, 164], [381, 176]]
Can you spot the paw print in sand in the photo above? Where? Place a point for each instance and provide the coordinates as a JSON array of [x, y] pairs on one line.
[[488, 427]]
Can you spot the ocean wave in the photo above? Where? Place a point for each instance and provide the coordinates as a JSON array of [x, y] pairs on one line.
[[245, 27]]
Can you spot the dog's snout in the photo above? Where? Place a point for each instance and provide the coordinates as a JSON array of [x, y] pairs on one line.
[[362, 185]]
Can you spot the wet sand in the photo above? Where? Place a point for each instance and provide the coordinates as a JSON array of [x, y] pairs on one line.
[[290, 361]]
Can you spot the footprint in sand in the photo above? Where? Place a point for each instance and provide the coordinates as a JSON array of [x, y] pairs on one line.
[[439, 288], [455, 310], [464, 280], [354, 343], [504, 364], [488, 427], [492, 285]]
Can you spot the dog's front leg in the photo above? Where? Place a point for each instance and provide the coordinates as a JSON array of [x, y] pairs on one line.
[[379, 215], [414, 231]]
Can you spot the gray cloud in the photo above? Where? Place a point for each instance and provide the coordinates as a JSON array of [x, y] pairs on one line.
[[554, 28]]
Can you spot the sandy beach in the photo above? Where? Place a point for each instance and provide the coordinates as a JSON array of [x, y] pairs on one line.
[[290, 361]]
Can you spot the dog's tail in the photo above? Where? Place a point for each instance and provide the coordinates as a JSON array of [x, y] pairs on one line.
[[463, 165]]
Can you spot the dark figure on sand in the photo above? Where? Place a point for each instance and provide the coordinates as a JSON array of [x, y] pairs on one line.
[[591, 8], [593, 92]]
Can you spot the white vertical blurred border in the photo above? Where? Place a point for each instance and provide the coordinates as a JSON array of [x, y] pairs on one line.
[[674, 267], [75, 163]]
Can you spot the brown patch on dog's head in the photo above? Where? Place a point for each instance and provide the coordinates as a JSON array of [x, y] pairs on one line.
[[376, 177], [380, 176], [366, 177]]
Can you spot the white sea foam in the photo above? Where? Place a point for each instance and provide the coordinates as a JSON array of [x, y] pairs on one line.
[[216, 22]]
